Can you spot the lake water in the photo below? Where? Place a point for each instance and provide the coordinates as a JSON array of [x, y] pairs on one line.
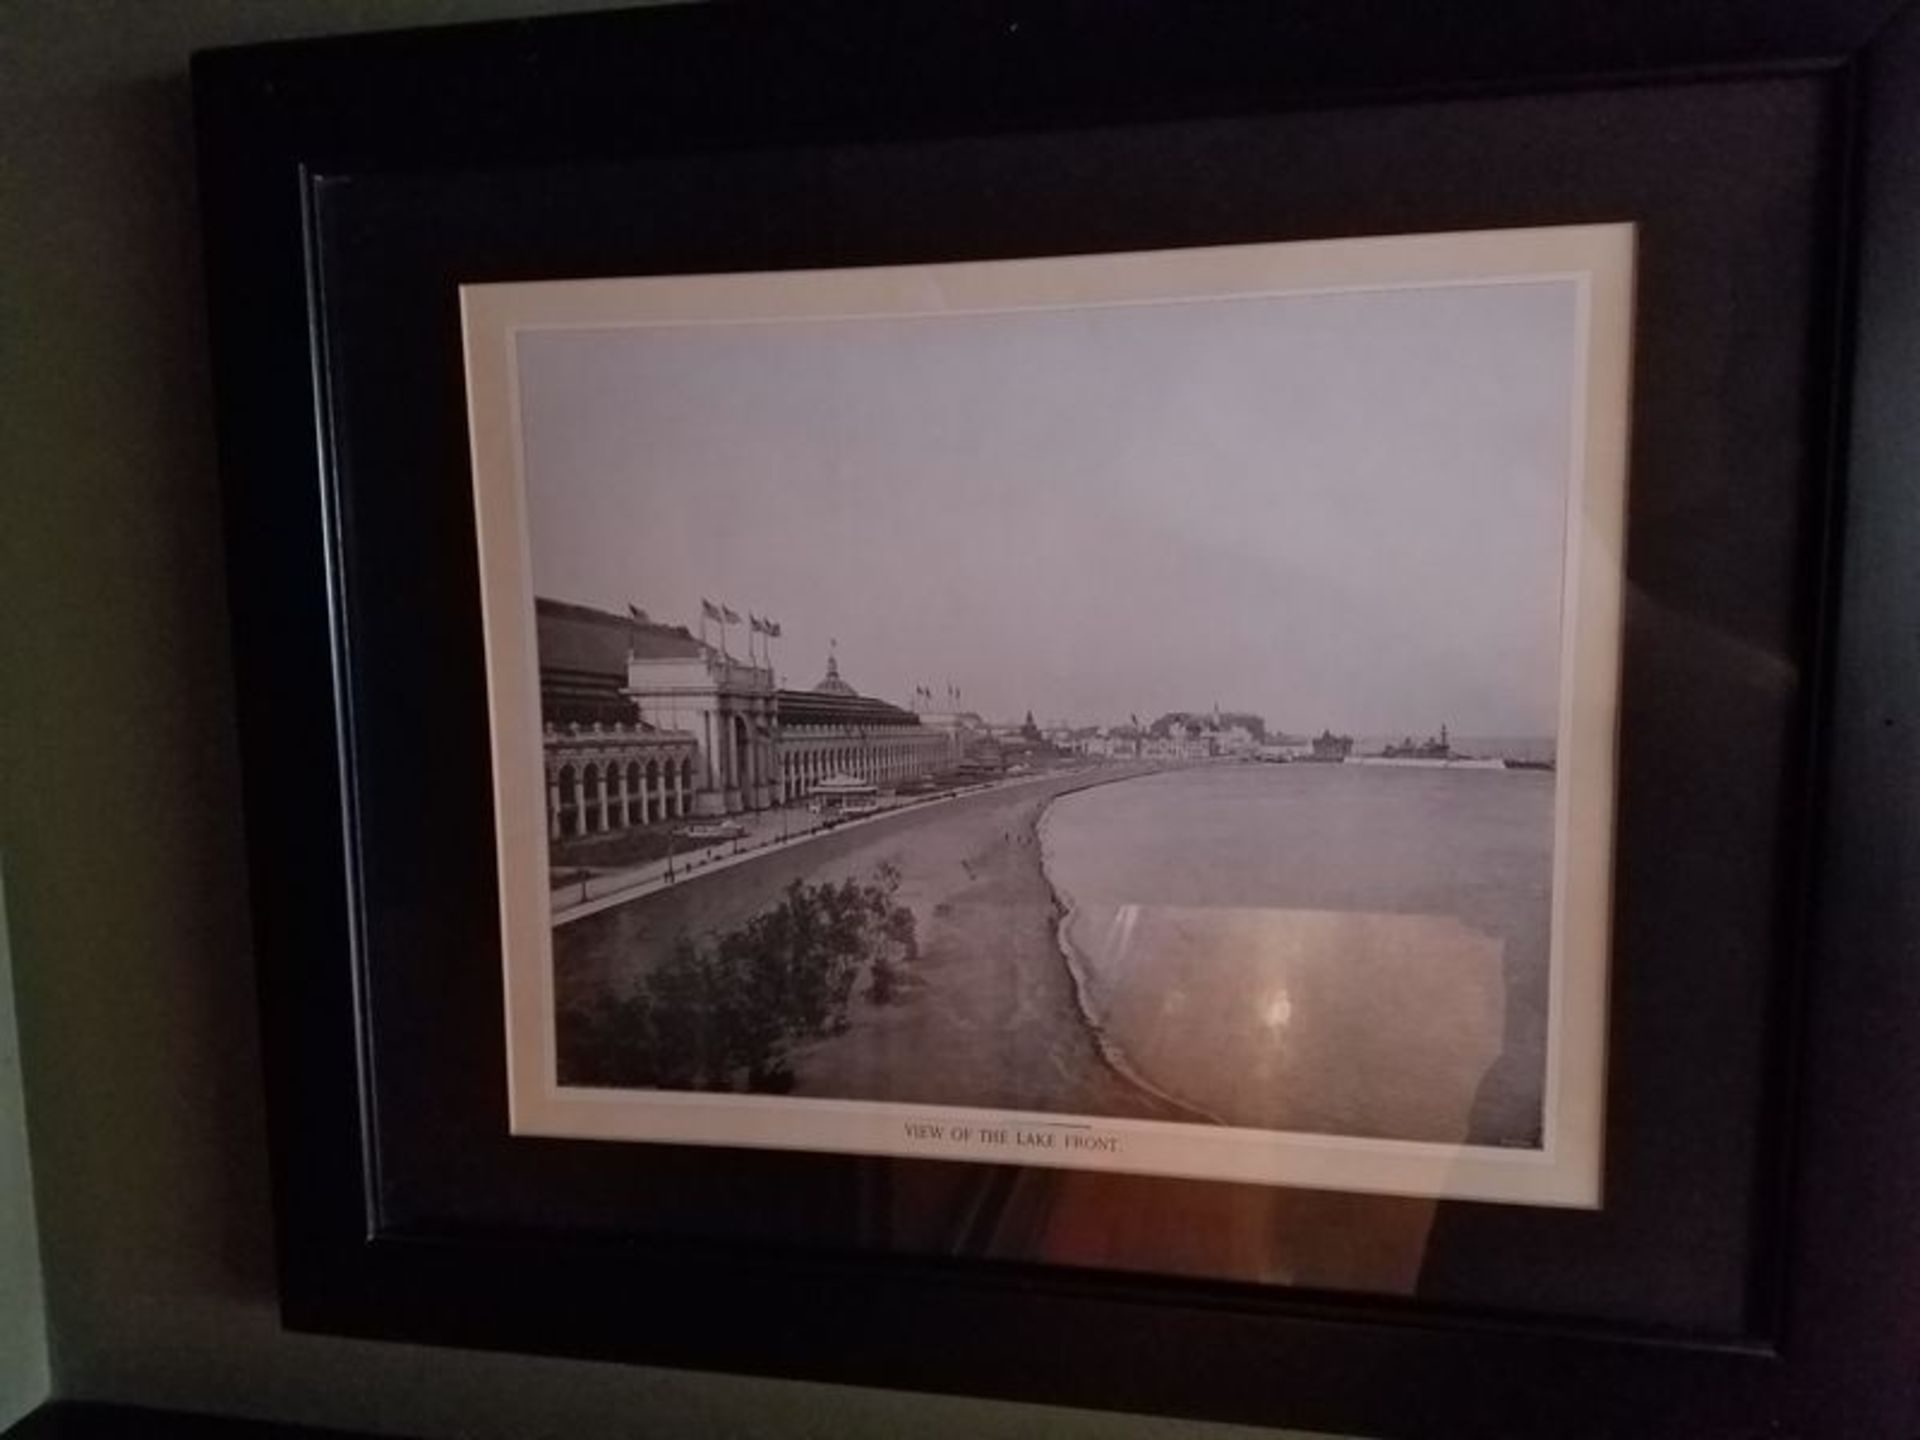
[[1318, 948]]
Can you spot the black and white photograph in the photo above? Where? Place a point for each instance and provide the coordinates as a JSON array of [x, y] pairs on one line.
[[1150, 712]]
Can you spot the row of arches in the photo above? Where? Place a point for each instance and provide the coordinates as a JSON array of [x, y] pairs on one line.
[[591, 797]]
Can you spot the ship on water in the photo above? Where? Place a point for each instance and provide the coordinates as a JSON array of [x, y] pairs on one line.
[[1431, 748], [1436, 752], [1329, 748]]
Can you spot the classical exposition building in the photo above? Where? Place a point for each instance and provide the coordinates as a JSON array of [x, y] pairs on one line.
[[606, 768], [643, 722], [834, 730]]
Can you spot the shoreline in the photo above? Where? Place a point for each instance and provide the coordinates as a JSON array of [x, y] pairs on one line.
[[1064, 910], [994, 1018], [621, 885]]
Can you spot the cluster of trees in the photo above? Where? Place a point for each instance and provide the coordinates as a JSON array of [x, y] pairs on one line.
[[726, 1014]]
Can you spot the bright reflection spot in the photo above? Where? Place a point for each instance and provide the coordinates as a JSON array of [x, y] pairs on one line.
[[1337, 1022]]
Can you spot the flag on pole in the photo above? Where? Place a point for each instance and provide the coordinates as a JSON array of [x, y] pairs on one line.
[[773, 629], [719, 613]]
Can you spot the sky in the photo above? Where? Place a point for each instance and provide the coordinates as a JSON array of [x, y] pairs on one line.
[[1342, 510]]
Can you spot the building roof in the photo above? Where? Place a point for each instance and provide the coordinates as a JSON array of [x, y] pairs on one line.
[[583, 660], [834, 702], [580, 640], [583, 670], [811, 707]]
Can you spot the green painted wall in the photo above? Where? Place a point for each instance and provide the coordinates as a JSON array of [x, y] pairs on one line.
[[23, 1310], [118, 802]]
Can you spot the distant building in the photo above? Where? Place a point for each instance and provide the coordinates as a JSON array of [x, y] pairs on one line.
[[965, 730], [1201, 735], [1329, 746], [1077, 739], [1235, 739]]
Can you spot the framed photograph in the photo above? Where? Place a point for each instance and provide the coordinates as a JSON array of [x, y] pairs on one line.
[[1193, 709], [1361, 480]]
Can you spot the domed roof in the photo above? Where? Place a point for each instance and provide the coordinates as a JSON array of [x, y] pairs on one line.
[[833, 684]]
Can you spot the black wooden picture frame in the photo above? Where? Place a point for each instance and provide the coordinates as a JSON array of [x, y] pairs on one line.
[[1756, 1268]]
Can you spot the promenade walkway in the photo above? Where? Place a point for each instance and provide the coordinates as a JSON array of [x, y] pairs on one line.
[[766, 831]]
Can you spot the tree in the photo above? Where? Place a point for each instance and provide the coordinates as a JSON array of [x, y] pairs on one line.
[[727, 1015]]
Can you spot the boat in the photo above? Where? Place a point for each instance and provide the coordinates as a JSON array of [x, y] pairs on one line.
[[1431, 748], [1329, 748], [1433, 753]]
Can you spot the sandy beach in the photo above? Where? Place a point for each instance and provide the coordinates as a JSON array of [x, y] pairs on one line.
[[986, 1018]]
